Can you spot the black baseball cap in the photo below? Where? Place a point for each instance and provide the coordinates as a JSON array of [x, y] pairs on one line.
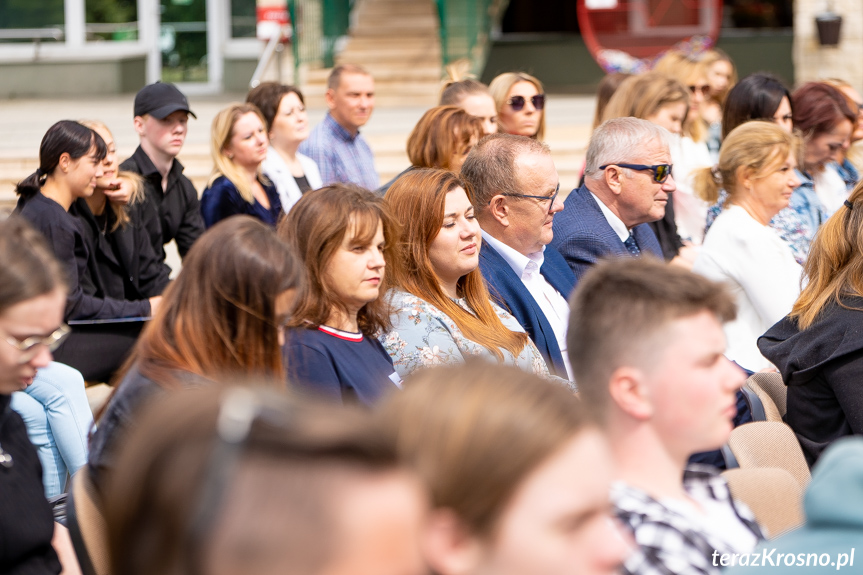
[[160, 100]]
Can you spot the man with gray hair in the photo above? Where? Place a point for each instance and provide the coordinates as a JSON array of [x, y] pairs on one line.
[[627, 183], [513, 186]]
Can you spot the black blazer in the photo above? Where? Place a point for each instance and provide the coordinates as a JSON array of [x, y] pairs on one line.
[[127, 263], [503, 282]]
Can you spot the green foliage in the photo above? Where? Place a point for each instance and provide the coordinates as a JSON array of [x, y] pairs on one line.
[[30, 14], [108, 11]]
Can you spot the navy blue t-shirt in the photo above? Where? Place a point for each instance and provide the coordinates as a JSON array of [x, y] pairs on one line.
[[337, 365]]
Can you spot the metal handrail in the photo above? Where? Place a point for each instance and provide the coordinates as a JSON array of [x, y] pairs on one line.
[[273, 45], [32, 34]]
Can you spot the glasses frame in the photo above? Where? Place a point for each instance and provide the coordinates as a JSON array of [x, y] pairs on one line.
[[517, 103], [29, 347], [541, 198], [703, 88], [642, 167]]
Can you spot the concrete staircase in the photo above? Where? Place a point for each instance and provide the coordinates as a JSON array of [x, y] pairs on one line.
[[399, 43]]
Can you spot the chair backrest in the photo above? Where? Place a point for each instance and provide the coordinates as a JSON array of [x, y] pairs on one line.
[[771, 411], [773, 495], [769, 444], [87, 526], [772, 384]]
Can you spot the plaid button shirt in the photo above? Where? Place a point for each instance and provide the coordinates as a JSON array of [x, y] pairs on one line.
[[340, 156], [667, 541]]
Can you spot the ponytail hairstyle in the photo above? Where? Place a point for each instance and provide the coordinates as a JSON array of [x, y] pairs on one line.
[[758, 146], [459, 87], [834, 267], [64, 137]]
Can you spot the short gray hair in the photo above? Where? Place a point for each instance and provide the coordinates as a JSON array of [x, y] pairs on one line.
[[490, 166], [618, 140]]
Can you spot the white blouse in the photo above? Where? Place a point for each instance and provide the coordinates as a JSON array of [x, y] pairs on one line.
[[761, 271], [280, 174]]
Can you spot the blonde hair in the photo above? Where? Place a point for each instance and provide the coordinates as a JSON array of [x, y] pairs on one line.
[[688, 71], [713, 56], [500, 87], [645, 95], [834, 267], [220, 137], [121, 213], [758, 146]]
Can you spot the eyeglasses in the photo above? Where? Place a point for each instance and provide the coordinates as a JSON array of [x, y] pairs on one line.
[[704, 89], [517, 102], [660, 171], [30, 347], [541, 198]]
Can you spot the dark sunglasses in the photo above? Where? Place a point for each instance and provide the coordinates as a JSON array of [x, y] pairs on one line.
[[704, 89], [660, 171], [517, 102]]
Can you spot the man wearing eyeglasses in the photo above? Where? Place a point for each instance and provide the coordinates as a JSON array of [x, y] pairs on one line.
[[627, 183], [514, 188]]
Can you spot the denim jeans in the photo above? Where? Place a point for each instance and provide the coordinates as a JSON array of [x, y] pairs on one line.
[[58, 418]]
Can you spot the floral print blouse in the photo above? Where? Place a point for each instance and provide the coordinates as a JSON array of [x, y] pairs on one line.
[[424, 336]]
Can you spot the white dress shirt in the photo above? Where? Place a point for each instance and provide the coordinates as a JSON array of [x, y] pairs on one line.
[[616, 223], [552, 304], [762, 273]]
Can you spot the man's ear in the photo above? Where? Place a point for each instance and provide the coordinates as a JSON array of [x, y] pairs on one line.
[[499, 209], [614, 178], [448, 545], [330, 98], [629, 391], [138, 122]]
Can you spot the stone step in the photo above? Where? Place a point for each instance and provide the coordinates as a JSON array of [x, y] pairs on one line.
[[384, 8]]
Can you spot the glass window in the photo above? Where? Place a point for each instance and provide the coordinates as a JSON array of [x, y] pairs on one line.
[[26, 20], [243, 19], [112, 19], [183, 40]]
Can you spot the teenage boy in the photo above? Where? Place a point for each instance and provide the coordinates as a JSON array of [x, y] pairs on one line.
[[170, 210], [646, 346]]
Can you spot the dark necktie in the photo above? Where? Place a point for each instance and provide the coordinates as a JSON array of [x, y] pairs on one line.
[[632, 246]]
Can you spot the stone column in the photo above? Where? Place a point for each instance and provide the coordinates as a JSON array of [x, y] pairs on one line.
[[813, 61]]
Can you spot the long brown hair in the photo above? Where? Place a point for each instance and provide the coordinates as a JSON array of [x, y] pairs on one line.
[[219, 315], [475, 432], [316, 227], [687, 70], [417, 199], [834, 267]]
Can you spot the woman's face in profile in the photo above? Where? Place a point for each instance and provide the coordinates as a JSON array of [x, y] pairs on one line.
[[110, 163], [356, 271], [782, 117], [291, 123], [38, 317], [481, 106]]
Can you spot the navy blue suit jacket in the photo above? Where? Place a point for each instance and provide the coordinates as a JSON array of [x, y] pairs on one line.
[[582, 235], [503, 282]]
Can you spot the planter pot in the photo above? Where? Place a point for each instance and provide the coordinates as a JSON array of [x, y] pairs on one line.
[[829, 25]]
